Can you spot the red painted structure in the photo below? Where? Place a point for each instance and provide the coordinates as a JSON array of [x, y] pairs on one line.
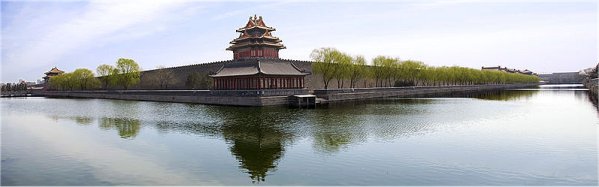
[[53, 72], [255, 40], [256, 64]]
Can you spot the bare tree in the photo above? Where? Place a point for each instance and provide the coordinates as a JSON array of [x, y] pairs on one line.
[[162, 77]]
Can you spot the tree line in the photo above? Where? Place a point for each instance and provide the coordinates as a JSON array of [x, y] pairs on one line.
[[10, 87], [125, 74], [332, 64]]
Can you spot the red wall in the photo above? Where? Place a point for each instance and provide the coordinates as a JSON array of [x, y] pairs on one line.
[[256, 52]]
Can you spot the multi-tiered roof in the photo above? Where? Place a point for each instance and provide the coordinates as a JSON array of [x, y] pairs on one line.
[[53, 72], [256, 40], [256, 64]]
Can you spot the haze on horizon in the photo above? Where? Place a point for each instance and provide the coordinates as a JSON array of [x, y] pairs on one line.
[[542, 36]]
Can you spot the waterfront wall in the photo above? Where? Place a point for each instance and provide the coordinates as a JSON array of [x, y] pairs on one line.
[[271, 97], [592, 85], [339, 95], [562, 78], [181, 73], [240, 98]]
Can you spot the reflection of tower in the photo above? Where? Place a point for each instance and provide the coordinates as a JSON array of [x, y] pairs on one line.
[[257, 139], [257, 150]]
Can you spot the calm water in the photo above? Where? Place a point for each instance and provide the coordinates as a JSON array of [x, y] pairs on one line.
[[541, 136]]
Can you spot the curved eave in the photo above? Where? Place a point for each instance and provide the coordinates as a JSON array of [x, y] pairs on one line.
[[217, 76], [281, 46], [255, 27], [275, 39], [260, 73]]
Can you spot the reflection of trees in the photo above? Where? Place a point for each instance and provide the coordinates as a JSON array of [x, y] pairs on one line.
[[83, 120], [257, 137], [343, 124], [594, 99], [127, 128], [335, 128], [506, 95], [498, 95]]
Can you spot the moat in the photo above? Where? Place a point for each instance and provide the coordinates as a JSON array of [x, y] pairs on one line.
[[538, 136]]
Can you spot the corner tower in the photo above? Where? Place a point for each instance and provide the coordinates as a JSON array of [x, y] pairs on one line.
[[255, 41]]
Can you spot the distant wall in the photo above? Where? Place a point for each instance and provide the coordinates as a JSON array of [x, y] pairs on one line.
[[181, 74], [217, 98], [562, 78]]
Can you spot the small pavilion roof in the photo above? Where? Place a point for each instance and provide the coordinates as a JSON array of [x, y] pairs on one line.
[[54, 70], [255, 22], [255, 66]]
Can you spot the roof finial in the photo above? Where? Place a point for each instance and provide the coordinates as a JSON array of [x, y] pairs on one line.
[[255, 18]]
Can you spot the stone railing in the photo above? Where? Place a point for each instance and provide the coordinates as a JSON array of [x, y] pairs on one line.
[[269, 92], [235, 93]]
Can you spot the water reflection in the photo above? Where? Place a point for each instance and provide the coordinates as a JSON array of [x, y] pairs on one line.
[[83, 120], [594, 99], [497, 95], [258, 137], [126, 127], [331, 134], [506, 95]]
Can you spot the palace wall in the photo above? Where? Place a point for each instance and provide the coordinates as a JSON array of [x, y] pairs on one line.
[[562, 78], [181, 73], [275, 98]]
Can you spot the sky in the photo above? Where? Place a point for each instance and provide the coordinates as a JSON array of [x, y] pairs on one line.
[[542, 36]]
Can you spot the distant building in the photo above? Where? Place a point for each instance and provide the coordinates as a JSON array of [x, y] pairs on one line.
[[53, 72], [508, 70], [256, 63]]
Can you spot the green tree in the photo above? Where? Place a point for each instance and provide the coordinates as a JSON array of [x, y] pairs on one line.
[[357, 70], [128, 72], [326, 62], [343, 69], [63, 81], [84, 79], [385, 70], [378, 70], [106, 74]]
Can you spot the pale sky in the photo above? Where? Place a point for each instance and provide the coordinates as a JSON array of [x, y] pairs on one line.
[[543, 36]]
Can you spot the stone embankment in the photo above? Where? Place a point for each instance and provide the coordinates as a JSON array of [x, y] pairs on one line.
[[211, 97], [339, 95], [272, 97], [592, 85], [591, 81]]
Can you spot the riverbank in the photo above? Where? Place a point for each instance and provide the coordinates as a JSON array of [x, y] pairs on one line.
[[210, 97], [412, 142], [271, 97], [592, 85], [340, 95]]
